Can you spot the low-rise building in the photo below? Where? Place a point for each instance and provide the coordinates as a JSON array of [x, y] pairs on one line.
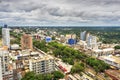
[[65, 68], [114, 74], [102, 52], [111, 60], [70, 77]]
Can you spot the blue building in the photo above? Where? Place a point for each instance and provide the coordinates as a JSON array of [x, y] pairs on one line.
[[72, 41], [48, 39]]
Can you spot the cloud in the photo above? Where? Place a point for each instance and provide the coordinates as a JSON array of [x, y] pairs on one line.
[[60, 12]]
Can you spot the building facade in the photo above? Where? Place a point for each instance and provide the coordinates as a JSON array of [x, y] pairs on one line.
[[6, 67], [26, 42], [83, 36], [6, 36], [42, 65], [92, 42]]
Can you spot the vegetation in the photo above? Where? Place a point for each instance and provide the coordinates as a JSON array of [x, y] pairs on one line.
[[98, 65], [40, 45], [57, 75], [105, 35], [71, 56], [53, 76], [77, 68], [117, 47], [67, 54], [53, 38], [16, 36]]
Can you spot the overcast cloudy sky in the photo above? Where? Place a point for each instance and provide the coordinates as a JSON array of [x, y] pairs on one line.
[[60, 12]]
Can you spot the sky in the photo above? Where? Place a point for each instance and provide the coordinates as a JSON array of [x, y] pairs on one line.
[[60, 12]]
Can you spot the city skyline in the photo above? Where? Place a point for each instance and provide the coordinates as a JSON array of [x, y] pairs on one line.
[[60, 13]]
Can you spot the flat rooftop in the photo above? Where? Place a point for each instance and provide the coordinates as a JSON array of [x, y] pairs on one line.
[[37, 59], [115, 74], [111, 58]]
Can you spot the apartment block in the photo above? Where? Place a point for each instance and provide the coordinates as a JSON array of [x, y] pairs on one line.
[[42, 65], [6, 66], [26, 42]]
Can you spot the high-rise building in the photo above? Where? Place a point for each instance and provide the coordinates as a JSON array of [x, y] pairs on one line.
[[83, 35], [26, 42], [1, 78], [6, 36], [92, 42], [5, 66], [42, 65]]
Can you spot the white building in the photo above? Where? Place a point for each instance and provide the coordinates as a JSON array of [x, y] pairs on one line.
[[15, 46], [70, 77], [111, 60], [102, 52], [83, 35], [65, 68], [83, 44], [6, 37], [7, 71], [92, 42], [1, 78], [42, 65]]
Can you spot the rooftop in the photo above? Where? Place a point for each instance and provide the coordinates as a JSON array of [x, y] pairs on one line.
[[115, 74], [111, 58], [38, 58]]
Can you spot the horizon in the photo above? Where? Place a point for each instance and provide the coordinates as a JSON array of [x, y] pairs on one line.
[[50, 26]]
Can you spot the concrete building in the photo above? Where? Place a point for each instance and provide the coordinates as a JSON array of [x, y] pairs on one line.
[[6, 36], [42, 65], [83, 44], [62, 38], [65, 68], [14, 47], [1, 78], [92, 42], [114, 74], [102, 52], [70, 77], [111, 60], [26, 42], [6, 66], [83, 36], [70, 36]]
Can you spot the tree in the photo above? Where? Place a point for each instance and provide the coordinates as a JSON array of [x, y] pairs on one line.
[[117, 47], [29, 76], [98, 65], [53, 38], [48, 76], [40, 45], [77, 68], [39, 77], [33, 76], [57, 75]]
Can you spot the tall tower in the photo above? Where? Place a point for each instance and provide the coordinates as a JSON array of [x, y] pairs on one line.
[[83, 35], [6, 36], [26, 42], [92, 42], [5, 65], [1, 78]]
